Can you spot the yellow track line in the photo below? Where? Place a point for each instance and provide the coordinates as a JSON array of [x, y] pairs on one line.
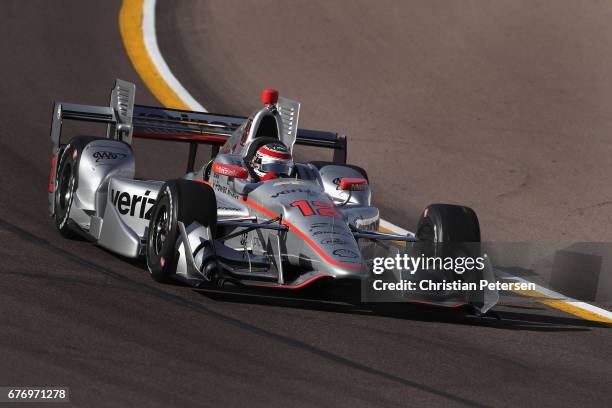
[[568, 307], [130, 25], [564, 306]]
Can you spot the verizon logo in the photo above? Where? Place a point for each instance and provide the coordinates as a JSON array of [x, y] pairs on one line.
[[136, 205]]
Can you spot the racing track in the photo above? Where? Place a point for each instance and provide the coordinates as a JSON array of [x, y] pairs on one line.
[[75, 315]]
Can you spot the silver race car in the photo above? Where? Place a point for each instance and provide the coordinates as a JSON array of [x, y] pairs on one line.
[[251, 215]]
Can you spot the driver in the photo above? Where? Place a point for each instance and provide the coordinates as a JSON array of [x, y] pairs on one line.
[[272, 160]]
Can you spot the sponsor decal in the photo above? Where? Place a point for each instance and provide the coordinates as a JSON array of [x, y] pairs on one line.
[[286, 182], [133, 204], [106, 155], [345, 253], [227, 208], [225, 190], [230, 170], [333, 241], [331, 233], [187, 120], [295, 190], [316, 225]]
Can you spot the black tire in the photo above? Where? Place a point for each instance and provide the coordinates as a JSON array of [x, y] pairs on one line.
[[446, 230], [67, 179], [442, 223], [178, 200]]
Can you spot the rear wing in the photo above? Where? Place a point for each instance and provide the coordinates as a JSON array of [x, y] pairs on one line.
[[215, 129], [126, 121], [118, 116]]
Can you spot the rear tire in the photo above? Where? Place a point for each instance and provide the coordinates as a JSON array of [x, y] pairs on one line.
[[178, 200], [66, 184]]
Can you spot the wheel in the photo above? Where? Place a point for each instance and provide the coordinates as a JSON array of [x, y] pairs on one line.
[[448, 223], [67, 183], [178, 200], [446, 230]]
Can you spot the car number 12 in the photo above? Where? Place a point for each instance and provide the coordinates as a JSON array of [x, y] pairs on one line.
[[309, 208]]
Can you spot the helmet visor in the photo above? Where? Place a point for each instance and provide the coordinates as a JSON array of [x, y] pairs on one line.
[[278, 168]]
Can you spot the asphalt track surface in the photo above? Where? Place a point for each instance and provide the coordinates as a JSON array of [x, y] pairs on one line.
[[503, 106]]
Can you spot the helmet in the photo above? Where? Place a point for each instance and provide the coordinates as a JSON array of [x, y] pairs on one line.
[[272, 160]]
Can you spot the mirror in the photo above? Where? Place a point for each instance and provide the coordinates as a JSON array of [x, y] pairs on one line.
[[353, 184]]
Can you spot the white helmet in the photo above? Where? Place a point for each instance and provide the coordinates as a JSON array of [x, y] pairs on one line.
[[272, 160]]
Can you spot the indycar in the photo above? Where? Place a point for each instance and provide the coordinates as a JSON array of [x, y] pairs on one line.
[[219, 223]]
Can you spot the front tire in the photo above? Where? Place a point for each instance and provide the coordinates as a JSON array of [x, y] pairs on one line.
[[446, 230], [441, 223], [178, 200]]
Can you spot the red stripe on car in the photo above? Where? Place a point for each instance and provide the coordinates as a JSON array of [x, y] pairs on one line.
[[301, 285]]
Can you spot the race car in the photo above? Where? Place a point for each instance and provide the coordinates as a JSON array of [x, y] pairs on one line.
[[251, 215]]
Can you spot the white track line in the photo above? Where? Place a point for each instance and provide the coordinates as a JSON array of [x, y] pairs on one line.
[[150, 39]]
